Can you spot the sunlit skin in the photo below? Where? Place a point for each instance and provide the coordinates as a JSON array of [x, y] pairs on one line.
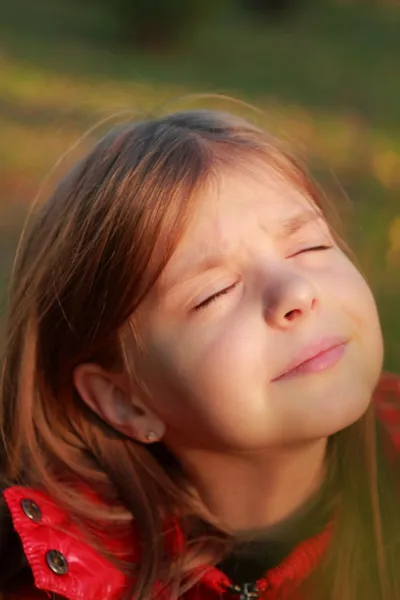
[[256, 280]]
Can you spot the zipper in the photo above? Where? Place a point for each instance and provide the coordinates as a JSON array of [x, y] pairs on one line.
[[247, 591]]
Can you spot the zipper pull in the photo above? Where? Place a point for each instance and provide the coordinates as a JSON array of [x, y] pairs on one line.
[[247, 591]]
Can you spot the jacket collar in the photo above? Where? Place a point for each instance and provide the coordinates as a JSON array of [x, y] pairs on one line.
[[64, 563]]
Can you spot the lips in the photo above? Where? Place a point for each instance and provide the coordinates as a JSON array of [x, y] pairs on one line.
[[315, 357]]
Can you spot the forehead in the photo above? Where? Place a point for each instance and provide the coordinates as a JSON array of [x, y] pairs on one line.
[[253, 193], [230, 210], [239, 201]]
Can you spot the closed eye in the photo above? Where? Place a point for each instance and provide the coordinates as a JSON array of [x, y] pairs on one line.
[[314, 249], [215, 297]]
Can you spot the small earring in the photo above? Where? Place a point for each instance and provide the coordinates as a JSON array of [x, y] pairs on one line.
[[151, 436]]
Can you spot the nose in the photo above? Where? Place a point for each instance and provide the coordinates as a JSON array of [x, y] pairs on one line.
[[289, 301]]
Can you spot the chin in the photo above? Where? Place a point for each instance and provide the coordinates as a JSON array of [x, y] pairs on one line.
[[333, 407], [346, 408], [347, 419]]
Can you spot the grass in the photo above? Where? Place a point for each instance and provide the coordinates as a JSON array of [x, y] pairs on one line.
[[327, 80]]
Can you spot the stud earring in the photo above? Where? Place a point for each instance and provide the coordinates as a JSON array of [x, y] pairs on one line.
[[151, 436]]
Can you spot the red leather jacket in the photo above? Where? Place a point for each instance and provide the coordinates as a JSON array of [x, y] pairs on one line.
[[63, 564]]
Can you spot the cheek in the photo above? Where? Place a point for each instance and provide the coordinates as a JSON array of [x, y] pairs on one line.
[[369, 324], [207, 373], [343, 283], [351, 293], [359, 297], [231, 356]]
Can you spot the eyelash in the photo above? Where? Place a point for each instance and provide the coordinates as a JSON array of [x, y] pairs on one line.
[[226, 290], [214, 297], [314, 249]]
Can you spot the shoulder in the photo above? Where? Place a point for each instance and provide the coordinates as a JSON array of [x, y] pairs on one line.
[[387, 405]]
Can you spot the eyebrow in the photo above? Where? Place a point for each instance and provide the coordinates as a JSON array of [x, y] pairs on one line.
[[288, 228], [293, 224]]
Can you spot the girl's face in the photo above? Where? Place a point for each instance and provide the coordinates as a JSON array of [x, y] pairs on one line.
[[256, 288]]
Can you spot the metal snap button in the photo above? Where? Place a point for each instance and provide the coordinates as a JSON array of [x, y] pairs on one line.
[[57, 562], [31, 509]]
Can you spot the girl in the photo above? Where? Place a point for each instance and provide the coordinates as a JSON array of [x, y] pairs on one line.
[[187, 383]]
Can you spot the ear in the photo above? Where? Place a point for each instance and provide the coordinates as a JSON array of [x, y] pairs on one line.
[[111, 397]]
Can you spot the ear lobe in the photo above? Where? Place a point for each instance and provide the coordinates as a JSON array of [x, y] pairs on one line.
[[110, 396]]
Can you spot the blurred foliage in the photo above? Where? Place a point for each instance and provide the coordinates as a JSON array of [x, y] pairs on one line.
[[272, 8], [327, 78], [160, 25]]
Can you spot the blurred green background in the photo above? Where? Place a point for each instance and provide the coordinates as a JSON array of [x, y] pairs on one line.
[[325, 73]]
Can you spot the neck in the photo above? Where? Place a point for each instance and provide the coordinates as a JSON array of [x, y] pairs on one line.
[[247, 492]]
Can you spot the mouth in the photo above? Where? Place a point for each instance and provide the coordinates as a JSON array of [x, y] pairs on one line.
[[314, 358]]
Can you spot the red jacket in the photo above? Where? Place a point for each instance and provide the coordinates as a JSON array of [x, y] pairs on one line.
[[64, 564]]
